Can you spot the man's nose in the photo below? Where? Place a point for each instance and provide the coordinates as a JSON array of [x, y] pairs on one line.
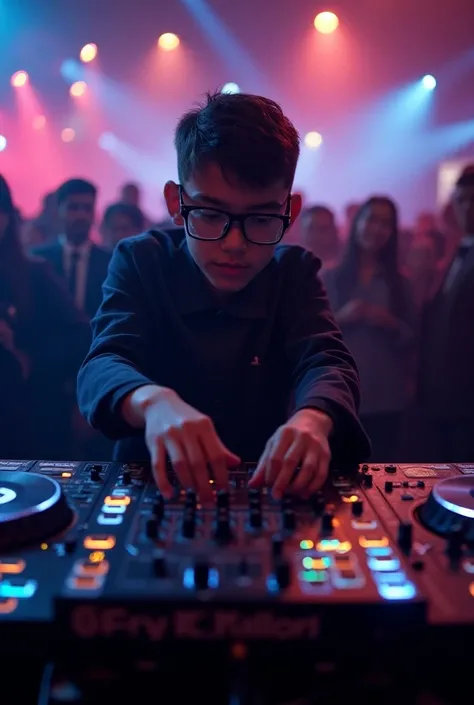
[[234, 240]]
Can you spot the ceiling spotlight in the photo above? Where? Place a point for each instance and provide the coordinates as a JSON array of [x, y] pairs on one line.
[[230, 88], [78, 89], [88, 53], [68, 134], [429, 82], [3, 143], [19, 79], [39, 122], [168, 41], [326, 22], [313, 140]]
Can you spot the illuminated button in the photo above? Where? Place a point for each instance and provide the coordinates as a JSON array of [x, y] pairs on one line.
[[347, 579], [383, 564], [405, 591], [341, 562], [12, 566], [85, 582], [328, 545], [99, 542], [375, 542], [347, 574], [114, 520], [113, 510], [117, 501], [86, 567], [314, 576], [17, 587], [306, 545], [468, 565], [397, 578], [119, 492], [379, 551], [8, 605], [364, 524], [96, 556], [316, 563], [471, 589], [350, 498]]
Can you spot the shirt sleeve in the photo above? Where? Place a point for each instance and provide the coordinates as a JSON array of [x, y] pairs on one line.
[[117, 360], [324, 373]]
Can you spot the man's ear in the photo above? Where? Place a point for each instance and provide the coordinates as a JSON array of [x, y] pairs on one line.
[[171, 194]]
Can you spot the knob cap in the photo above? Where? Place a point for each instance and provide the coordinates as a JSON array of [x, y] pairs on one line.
[[223, 532], [158, 508], [151, 528], [223, 499], [282, 573], [277, 546], [357, 508], [391, 469], [368, 480], [388, 486], [188, 528], [318, 503], [201, 575], [191, 499], [454, 545], [405, 536], [126, 477]]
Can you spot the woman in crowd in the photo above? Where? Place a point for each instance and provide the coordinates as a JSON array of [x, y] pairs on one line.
[[43, 339], [375, 310]]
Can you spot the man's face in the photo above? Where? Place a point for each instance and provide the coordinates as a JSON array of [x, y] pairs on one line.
[[77, 216], [118, 227], [231, 263], [131, 195], [321, 236], [463, 203]]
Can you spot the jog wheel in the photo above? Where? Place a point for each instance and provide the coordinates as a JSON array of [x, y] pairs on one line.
[[450, 507], [32, 508]]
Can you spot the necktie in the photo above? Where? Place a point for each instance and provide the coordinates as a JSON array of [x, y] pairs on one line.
[[73, 273]]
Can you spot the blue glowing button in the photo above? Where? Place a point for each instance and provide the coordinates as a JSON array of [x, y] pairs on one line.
[[379, 552], [18, 587], [383, 564], [406, 591], [314, 576], [397, 578]]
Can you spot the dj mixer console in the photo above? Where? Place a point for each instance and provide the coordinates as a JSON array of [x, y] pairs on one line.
[[96, 567]]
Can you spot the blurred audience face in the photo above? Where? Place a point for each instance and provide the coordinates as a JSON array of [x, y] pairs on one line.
[[463, 203], [117, 227], [374, 227], [320, 234], [424, 223], [131, 195], [76, 214]]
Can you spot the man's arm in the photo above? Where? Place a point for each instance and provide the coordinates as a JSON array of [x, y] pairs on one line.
[[325, 376], [118, 360]]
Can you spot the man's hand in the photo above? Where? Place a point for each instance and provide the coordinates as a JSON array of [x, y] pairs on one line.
[[352, 312], [302, 441], [381, 317], [189, 438]]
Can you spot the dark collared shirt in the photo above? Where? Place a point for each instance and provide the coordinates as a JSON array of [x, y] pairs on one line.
[[271, 350]]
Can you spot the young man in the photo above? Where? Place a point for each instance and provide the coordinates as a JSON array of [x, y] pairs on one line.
[[211, 343]]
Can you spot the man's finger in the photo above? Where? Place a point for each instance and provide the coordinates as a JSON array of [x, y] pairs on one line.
[[158, 467]]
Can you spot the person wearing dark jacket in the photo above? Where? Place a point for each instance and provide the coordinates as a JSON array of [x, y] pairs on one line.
[[42, 341], [213, 345]]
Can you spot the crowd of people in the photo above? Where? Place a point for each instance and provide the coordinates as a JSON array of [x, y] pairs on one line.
[[403, 299]]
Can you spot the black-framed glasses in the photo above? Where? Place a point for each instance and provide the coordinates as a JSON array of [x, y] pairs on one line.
[[207, 223]]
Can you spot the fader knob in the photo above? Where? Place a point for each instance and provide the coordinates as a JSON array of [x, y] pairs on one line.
[[368, 480], [223, 499], [191, 499], [255, 518], [188, 528], [151, 528], [405, 536], [277, 546], [289, 520], [327, 522], [318, 503], [282, 573], [357, 508], [159, 565], [201, 575], [454, 546], [126, 477], [95, 473], [158, 508]]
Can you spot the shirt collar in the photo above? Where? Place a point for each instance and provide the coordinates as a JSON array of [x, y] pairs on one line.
[[82, 249], [192, 293]]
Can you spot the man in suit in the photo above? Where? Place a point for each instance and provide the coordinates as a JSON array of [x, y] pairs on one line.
[[210, 340], [74, 256], [447, 349]]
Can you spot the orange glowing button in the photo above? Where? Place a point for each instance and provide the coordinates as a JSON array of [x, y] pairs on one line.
[[85, 568], [471, 589], [349, 499], [99, 542], [66, 474], [96, 556], [8, 605], [122, 501], [12, 566], [378, 542], [84, 582]]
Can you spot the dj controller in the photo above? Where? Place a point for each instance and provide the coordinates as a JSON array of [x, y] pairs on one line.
[[362, 593]]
